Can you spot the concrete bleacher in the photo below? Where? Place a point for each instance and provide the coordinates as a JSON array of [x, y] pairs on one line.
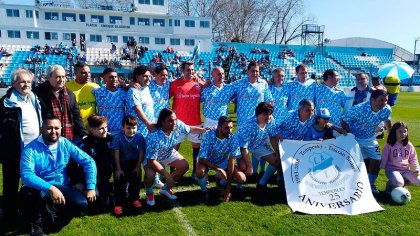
[[346, 61]]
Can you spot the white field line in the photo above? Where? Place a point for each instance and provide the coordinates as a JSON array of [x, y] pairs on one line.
[[182, 218]]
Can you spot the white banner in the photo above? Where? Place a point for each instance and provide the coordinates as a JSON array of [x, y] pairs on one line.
[[326, 177]]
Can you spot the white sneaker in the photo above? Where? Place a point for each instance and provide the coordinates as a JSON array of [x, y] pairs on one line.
[[150, 199], [158, 184], [168, 193]]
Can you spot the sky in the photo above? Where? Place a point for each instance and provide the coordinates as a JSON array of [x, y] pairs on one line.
[[394, 21]]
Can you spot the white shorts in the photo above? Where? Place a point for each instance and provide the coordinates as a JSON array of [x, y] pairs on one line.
[[261, 152], [369, 148], [194, 138], [174, 156], [210, 123]]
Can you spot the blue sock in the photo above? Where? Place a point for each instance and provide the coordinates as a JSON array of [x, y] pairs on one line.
[[262, 165], [267, 174], [149, 190], [223, 182], [372, 178], [202, 183], [156, 180], [255, 163]]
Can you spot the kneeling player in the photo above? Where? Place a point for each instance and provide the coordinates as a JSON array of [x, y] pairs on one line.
[[219, 150]]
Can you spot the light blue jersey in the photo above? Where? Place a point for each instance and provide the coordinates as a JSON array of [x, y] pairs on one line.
[[297, 91], [216, 101], [160, 96], [292, 128], [251, 136], [129, 147], [363, 121], [159, 146], [217, 151], [112, 106], [280, 102], [141, 98], [248, 96], [334, 99]]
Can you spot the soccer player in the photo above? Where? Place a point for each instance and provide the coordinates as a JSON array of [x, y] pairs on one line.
[[362, 121], [140, 102], [360, 93], [110, 101], [215, 98], [219, 150], [278, 90], [159, 90], [329, 96], [300, 89], [186, 93], [254, 139], [249, 93], [160, 153], [82, 89]]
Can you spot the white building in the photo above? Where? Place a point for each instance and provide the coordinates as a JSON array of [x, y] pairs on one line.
[[29, 22]]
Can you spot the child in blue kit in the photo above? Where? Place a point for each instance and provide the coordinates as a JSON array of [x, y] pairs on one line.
[[129, 149]]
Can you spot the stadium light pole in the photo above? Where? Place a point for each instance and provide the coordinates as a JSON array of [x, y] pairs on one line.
[[416, 59]]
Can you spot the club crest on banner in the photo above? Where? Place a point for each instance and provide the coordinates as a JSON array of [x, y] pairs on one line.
[[326, 177]]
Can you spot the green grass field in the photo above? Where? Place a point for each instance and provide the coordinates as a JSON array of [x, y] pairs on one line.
[[257, 214]]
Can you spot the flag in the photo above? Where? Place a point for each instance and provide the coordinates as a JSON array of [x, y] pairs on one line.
[[196, 52]]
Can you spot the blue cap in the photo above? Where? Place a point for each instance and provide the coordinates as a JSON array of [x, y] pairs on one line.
[[323, 113]]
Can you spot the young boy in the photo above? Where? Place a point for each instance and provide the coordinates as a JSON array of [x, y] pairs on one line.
[[97, 145], [129, 148]]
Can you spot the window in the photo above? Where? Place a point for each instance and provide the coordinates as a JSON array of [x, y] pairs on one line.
[[175, 42], [115, 20], [159, 40], [37, 14], [144, 2], [82, 18], [158, 2], [51, 36], [189, 42], [126, 39], [177, 23], [189, 23], [51, 15], [69, 17], [144, 40], [95, 38], [112, 38], [12, 12], [159, 22], [67, 36], [144, 21], [13, 34], [29, 14], [170, 22], [32, 35], [204, 24], [97, 19], [132, 20]]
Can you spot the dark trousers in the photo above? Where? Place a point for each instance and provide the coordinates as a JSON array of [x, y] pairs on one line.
[[33, 202], [133, 182], [11, 175]]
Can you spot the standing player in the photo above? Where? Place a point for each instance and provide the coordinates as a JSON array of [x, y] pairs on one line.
[[360, 93], [160, 153], [219, 150], [159, 89], [329, 96], [110, 101], [215, 98], [140, 102], [186, 93], [362, 121], [300, 89], [82, 89], [278, 91]]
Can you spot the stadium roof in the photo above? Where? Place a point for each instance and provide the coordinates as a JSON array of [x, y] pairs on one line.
[[400, 54]]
